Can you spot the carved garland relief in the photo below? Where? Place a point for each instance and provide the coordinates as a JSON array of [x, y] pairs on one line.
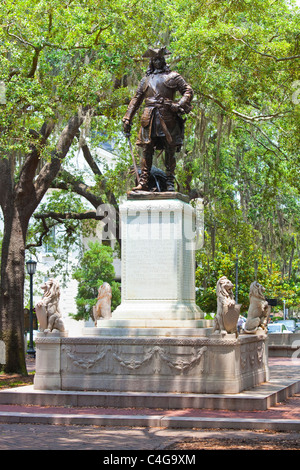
[[251, 356], [156, 355]]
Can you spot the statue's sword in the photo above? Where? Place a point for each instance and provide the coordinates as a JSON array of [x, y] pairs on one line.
[[133, 159]]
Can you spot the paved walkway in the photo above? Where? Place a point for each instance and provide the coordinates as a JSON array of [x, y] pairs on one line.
[[159, 433], [108, 439]]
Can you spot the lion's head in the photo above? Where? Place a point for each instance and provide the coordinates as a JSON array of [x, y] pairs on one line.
[[51, 288], [224, 287], [104, 291], [257, 290]]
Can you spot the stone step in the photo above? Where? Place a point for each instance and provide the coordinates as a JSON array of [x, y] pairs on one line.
[[136, 331], [260, 397], [150, 323], [146, 327], [157, 421]]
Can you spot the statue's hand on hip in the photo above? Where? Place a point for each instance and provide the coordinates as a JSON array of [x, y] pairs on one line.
[[176, 108]]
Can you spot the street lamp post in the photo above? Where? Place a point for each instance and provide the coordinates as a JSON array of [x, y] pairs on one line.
[[284, 310], [31, 268], [236, 278]]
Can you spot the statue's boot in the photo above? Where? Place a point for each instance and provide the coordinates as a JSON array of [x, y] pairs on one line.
[[170, 162], [146, 164]]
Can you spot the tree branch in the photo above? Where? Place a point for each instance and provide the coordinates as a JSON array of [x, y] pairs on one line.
[[35, 60], [269, 140], [60, 216], [84, 190], [261, 143], [20, 39], [264, 54], [41, 237], [243, 116], [69, 181], [25, 186], [50, 169], [88, 215], [96, 170]]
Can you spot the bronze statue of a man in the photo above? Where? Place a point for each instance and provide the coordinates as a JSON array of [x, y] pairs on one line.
[[162, 125]]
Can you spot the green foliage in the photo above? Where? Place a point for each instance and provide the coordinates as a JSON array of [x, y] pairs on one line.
[[61, 237], [242, 137], [95, 267], [253, 264]]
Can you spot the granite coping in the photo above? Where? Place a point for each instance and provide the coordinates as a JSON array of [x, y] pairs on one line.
[[147, 195]]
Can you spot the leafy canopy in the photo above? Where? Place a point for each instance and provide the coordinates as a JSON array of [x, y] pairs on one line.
[[95, 267]]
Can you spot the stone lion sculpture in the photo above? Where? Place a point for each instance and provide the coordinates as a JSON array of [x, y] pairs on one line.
[[225, 320], [259, 310], [102, 309], [47, 309]]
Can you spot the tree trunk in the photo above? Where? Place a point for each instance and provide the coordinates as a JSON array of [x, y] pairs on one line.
[[18, 202], [11, 290]]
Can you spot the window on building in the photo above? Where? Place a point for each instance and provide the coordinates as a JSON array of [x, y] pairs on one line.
[[49, 245]]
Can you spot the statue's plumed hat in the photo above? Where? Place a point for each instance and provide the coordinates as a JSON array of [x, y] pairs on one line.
[[160, 52]]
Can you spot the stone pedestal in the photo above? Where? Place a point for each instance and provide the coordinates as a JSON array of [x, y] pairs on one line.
[[152, 364], [157, 339], [159, 237], [158, 260]]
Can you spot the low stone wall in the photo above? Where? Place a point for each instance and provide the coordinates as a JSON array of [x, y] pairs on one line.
[[284, 344], [213, 364]]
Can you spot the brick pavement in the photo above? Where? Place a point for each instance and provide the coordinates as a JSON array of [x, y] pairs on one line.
[[288, 410], [14, 435], [107, 439]]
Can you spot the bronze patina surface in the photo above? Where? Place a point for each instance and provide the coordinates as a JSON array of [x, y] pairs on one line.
[[162, 124]]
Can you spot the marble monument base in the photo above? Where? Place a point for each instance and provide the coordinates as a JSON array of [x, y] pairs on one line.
[[158, 258], [203, 364], [157, 340]]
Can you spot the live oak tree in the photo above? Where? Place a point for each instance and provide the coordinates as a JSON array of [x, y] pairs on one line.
[[60, 63], [243, 60]]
